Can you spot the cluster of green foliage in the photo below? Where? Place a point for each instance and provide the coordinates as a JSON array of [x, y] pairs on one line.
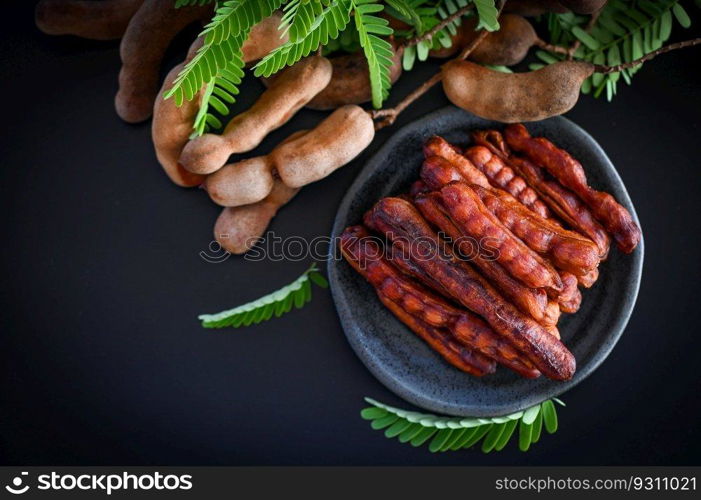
[[458, 433], [311, 25], [625, 30]]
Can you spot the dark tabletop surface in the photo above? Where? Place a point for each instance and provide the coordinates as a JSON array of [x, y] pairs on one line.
[[104, 362]]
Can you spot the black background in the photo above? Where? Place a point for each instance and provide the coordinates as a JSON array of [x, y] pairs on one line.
[[104, 362]]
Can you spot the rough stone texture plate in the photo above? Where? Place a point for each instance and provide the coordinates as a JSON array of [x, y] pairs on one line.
[[407, 366]]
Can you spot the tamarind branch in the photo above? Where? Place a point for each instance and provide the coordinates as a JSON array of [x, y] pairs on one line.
[[445, 22], [557, 49], [600, 68]]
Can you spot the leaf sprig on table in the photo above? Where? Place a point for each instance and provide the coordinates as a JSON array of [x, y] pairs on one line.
[[457, 433], [277, 303]]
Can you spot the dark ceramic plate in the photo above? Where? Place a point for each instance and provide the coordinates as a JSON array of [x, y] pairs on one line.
[[406, 365]]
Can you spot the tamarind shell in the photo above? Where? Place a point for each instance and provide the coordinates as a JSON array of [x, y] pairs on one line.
[[506, 47], [334, 142], [172, 126], [515, 97], [263, 38], [237, 229], [350, 81], [103, 20], [143, 46], [292, 89]]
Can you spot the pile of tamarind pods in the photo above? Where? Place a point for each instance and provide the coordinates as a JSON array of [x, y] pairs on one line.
[[253, 189]]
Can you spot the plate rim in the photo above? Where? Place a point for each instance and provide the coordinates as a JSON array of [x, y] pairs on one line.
[[423, 401]]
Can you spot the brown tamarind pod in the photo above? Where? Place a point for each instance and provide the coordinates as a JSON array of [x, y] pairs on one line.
[[302, 158], [95, 20], [505, 47], [145, 41], [350, 83], [263, 38], [515, 97], [172, 126], [244, 182], [286, 95], [342, 136], [238, 229]]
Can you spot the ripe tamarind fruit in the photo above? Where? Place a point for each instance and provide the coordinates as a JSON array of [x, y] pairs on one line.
[[172, 126], [263, 38], [342, 136], [350, 82], [301, 159], [505, 47], [515, 97], [238, 229], [145, 41], [95, 20], [244, 182], [294, 88]]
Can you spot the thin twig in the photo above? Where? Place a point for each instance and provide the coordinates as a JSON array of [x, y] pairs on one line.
[[445, 22], [551, 47], [590, 25], [599, 68]]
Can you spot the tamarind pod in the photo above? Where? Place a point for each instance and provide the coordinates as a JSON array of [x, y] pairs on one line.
[[401, 223], [455, 353], [550, 318], [404, 299], [350, 83], [417, 188], [503, 177], [263, 38], [473, 218], [532, 8], [515, 97], [588, 280], [567, 250], [438, 172], [570, 298], [366, 256], [437, 146], [290, 91], [561, 165], [103, 20], [531, 301], [143, 46], [240, 183], [563, 202], [342, 136], [505, 47], [171, 128], [244, 182], [239, 228]]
